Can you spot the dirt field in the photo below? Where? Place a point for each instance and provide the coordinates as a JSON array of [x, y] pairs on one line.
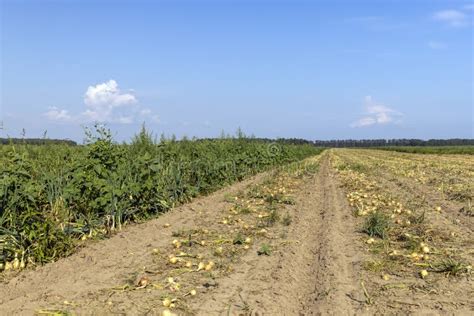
[[282, 243]]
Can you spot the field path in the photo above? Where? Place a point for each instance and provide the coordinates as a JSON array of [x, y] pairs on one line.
[[314, 274], [312, 269]]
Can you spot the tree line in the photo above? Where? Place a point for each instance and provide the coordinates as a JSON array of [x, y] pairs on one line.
[[335, 143]]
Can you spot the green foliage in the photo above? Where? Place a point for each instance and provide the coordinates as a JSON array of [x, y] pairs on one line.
[[451, 267], [265, 249], [286, 220], [377, 225], [53, 195]]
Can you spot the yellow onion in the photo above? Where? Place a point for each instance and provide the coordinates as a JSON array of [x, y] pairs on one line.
[[201, 266], [173, 260], [167, 302]]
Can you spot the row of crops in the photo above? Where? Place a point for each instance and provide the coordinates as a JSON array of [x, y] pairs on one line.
[[53, 196]]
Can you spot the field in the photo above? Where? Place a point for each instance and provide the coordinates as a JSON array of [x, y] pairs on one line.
[[234, 227]]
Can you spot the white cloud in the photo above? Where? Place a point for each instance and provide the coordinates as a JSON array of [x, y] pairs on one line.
[[107, 93], [105, 103], [377, 114], [365, 121], [453, 18], [104, 99], [56, 114], [436, 45]]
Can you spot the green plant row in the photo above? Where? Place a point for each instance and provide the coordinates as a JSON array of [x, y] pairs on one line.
[[52, 196]]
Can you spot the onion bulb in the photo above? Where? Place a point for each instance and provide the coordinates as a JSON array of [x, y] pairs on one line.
[[209, 266], [201, 266], [167, 312], [143, 281], [16, 263], [167, 302], [176, 243], [8, 266], [173, 260]]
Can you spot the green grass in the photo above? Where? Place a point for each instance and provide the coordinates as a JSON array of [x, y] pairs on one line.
[[286, 220], [377, 225], [451, 267]]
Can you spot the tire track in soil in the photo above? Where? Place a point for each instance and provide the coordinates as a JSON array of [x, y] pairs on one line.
[[315, 276], [339, 258]]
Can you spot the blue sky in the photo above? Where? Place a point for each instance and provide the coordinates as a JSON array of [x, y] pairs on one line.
[[308, 69]]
